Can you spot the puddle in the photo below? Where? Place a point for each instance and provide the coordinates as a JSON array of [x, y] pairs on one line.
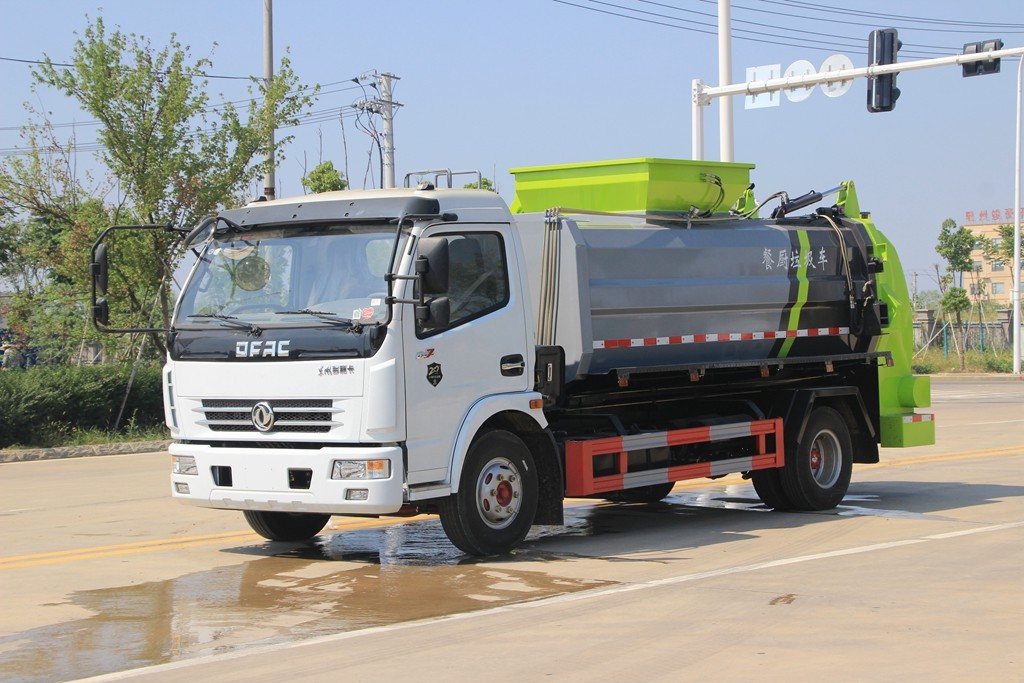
[[343, 582]]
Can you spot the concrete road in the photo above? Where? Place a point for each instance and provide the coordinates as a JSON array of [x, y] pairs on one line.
[[918, 575]]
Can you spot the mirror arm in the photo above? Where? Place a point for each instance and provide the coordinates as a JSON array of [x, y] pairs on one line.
[[94, 267]]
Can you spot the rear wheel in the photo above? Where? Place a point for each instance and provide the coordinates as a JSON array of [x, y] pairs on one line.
[[768, 486], [817, 471], [497, 498], [286, 526], [641, 494]]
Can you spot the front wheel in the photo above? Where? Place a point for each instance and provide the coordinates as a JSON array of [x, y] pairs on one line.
[[817, 471], [497, 498], [286, 526]]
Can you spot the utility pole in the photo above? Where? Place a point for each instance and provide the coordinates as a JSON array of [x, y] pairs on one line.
[[385, 106], [269, 182], [388, 117], [725, 120]]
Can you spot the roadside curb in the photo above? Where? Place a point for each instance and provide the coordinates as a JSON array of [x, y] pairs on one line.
[[1001, 376], [61, 452]]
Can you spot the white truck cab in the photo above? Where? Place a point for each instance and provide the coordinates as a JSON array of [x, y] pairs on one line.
[[298, 387]]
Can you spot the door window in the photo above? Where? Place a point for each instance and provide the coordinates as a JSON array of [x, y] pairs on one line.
[[478, 279]]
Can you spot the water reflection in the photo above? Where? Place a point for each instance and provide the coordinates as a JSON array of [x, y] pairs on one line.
[[374, 577]]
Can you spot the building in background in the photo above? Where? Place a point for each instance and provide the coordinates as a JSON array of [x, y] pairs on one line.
[[991, 279]]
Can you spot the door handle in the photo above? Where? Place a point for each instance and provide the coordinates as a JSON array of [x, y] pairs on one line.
[[512, 366]]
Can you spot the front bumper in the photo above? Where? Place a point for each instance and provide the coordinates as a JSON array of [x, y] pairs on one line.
[[246, 478]]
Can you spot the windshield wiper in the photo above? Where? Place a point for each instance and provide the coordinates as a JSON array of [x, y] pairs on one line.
[[231, 321], [329, 317]]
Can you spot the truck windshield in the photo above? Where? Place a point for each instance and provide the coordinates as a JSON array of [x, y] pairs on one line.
[[301, 275]]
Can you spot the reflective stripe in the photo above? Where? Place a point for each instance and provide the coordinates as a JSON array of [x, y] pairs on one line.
[[720, 337]]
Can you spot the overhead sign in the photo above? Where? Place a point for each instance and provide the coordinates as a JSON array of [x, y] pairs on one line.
[[763, 99], [800, 67], [835, 64]]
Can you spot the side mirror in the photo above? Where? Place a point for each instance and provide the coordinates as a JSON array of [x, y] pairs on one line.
[[101, 313], [101, 269], [436, 313], [201, 232], [432, 265]]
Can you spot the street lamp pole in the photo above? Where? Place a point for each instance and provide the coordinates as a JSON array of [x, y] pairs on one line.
[[1016, 225]]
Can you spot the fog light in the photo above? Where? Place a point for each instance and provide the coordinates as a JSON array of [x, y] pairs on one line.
[[361, 469], [184, 464], [181, 487], [357, 494]]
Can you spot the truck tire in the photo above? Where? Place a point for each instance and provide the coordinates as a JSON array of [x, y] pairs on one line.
[[768, 486], [817, 470], [497, 498], [286, 526], [641, 494]]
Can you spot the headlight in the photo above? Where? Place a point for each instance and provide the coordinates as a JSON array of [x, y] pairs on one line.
[[361, 469], [183, 464]]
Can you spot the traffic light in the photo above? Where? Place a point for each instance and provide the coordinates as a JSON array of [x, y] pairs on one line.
[[883, 45], [988, 66]]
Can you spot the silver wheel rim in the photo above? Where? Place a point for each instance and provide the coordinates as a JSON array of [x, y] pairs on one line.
[[499, 491], [826, 461]]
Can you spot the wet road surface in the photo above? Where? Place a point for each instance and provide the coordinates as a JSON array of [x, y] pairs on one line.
[[113, 575]]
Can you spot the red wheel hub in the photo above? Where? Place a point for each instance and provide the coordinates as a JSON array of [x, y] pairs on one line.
[[503, 493], [815, 458]]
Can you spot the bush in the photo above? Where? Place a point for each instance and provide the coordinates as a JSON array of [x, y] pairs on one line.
[[999, 363], [42, 406]]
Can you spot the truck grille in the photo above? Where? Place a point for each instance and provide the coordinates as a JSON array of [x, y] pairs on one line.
[[291, 415]]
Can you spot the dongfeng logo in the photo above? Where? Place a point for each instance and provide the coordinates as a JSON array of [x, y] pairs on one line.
[[263, 416]]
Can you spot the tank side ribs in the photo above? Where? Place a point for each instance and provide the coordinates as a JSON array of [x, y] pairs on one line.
[[602, 465]]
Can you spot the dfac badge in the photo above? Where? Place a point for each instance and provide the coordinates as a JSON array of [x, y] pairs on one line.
[[434, 375]]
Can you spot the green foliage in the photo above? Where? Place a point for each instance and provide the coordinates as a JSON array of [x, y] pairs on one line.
[[1003, 363], [173, 158], [955, 246], [1001, 248], [955, 301], [485, 184], [324, 178], [45, 405], [933, 360], [928, 299]]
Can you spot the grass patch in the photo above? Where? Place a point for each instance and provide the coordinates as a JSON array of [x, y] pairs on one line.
[[933, 360]]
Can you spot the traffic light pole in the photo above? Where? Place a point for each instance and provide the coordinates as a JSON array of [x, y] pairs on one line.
[[1016, 226], [703, 96]]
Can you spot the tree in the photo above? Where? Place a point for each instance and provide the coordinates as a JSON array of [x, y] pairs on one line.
[[171, 156], [955, 245], [324, 178], [1000, 248], [485, 184]]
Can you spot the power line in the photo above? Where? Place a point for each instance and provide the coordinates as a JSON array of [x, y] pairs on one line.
[[64, 64], [858, 40], [855, 42], [693, 29], [211, 108], [878, 15], [321, 116]]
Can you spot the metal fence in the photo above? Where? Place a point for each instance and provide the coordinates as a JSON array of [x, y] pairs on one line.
[[989, 335]]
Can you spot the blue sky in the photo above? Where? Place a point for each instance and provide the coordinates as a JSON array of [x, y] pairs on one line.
[[494, 85]]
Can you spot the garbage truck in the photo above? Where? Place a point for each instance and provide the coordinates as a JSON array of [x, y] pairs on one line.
[[619, 327]]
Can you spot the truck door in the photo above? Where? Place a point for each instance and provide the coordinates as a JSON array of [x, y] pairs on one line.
[[482, 351]]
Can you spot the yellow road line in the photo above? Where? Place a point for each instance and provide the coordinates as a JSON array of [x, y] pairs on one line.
[[61, 556], [167, 544]]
